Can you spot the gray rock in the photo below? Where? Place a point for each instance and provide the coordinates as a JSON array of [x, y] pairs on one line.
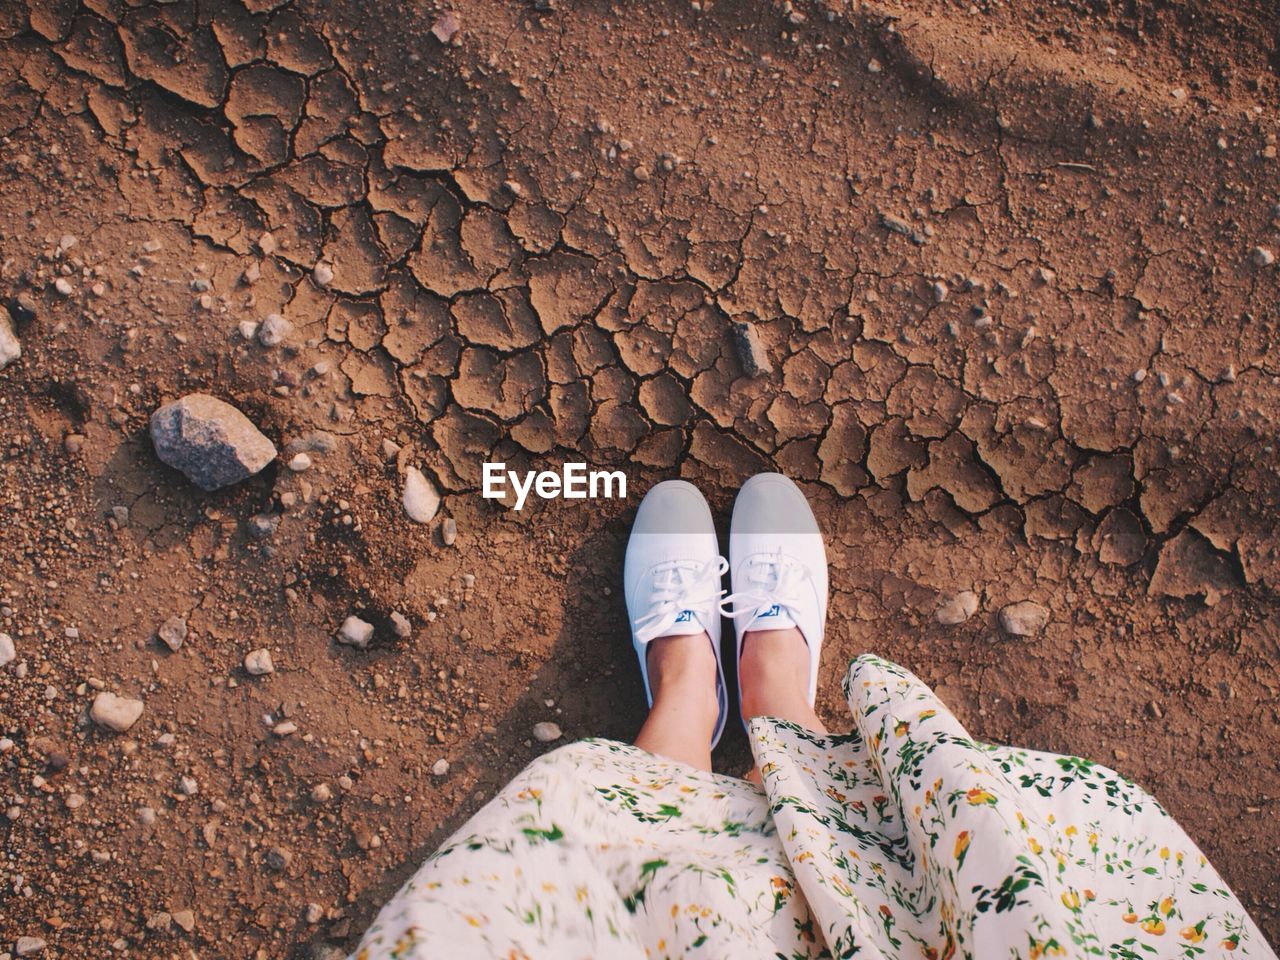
[[264, 525], [172, 633], [186, 919], [440, 767], [546, 731], [449, 531], [8, 652], [314, 441], [115, 713], [322, 274], [1023, 619], [257, 663], [355, 633], [121, 515], [751, 353], [401, 625], [421, 498], [28, 946], [10, 348], [274, 330], [209, 440], [957, 608]]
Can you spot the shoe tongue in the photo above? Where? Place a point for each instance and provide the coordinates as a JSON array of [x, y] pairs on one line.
[[687, 622], [772, 617]]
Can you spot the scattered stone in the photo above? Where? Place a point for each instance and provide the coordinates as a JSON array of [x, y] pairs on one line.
[[300, 462], [264, 525], [1154, 710], [752, 356], [326, 951], [188, 786], [28, 946], [120, 514], [1262, 257], [278, 858], [186, 919], [401, 625], [547, 731], [957, 608], [8, 652], [314, 441], [898, 225], [1023, 619], [274, 330], [940, 292], [322, 274], [874, 66], [146, 816], [252, 274], [209, 440], [440, 767], [63, 286], [10, 348], [313, 914], [285, 728], [421, 498], [172, 633], [446, 27], [249, 329], [257, 663], [321, 793], [355, 633], [449, 531], [160, 921], [115, 713]]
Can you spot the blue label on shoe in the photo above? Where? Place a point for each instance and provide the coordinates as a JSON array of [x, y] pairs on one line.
[[685, 616], [773, 611]]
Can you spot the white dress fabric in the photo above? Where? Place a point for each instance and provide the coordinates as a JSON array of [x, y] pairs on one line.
[[902, 839]]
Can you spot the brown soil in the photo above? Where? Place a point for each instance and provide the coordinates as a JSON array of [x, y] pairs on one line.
[[540, 234]]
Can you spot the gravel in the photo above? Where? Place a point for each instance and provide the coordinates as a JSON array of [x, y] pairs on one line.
[[421, 498], [8, 652], [401, 625], [1023, 619], [210, 441], [322, 275], [449, 531], [355, 633], [28, 946], [440, 767], [114, 712]]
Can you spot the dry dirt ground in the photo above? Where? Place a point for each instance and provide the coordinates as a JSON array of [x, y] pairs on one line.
[[1001, 261]]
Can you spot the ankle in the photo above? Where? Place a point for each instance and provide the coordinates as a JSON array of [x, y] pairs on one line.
[[774, 673], [683, 668]]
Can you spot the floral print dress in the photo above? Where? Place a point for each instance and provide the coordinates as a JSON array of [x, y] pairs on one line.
[[905, 838]]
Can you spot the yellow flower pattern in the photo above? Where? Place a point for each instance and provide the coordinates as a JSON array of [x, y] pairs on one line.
[[902, 839]]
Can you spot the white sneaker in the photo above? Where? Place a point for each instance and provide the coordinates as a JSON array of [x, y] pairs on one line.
[[671, 577], [777, 566]]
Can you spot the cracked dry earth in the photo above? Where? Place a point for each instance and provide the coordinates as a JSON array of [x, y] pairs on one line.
[[1010, 279]]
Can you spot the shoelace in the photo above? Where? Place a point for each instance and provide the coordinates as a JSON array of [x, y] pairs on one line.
[[773, 579], [681, 585]]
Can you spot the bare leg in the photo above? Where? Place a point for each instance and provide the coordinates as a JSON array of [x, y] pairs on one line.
[[682, 674], [774, 671]]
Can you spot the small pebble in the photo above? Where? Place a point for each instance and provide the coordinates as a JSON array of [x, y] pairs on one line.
[[421, 498], [547, 731], [322, 275], [958, 608], [63, 286], [401, 625], [285, 728], [314, 913], [249, 329], [8, 652], [278, 858], [1023, 619], [321, 793], [440, 767], [172, 633], [114, 712], [449, 531], [188, 786], [355, 633], [274, 330], [1262, 257], [146, 816], [300, 462], [28, 946], [257, 663]]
